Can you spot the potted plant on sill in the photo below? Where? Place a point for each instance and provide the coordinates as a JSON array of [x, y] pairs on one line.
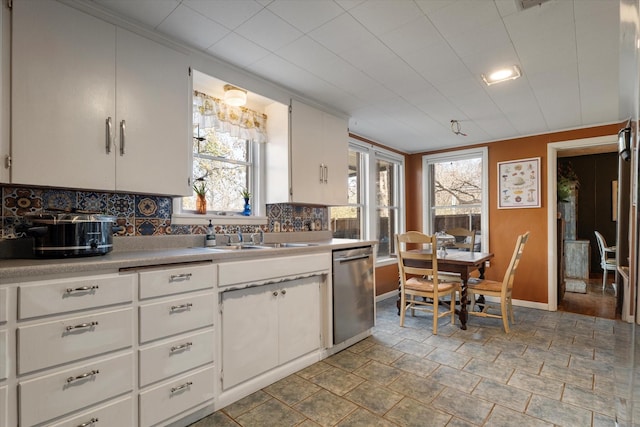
[[246, 195], [200, 189]]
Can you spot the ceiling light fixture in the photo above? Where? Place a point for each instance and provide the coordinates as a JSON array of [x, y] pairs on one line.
[[502, 75], [234, 96]]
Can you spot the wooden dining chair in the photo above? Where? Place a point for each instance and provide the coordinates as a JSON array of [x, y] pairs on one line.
[[501, 290], [420, 288]]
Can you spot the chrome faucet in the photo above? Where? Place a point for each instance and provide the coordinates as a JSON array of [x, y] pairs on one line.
[[260, 237], [239, 237]]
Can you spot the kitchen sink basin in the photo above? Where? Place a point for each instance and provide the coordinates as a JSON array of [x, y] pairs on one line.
[[289, 245], [236, 248]]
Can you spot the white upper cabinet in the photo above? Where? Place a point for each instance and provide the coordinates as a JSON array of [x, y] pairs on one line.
[[307, 162], [95, 106]]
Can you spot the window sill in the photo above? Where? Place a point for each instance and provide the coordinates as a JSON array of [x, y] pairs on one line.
[[196, 219], [383, 262]]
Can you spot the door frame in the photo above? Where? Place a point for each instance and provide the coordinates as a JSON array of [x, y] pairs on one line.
[[552, 205]]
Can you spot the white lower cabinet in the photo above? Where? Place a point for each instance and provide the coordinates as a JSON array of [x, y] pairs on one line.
[[3, 354], [71, 339], [118, 413], [3, 406], [163, 360], [74, 388], [170, 398], [266, 326]]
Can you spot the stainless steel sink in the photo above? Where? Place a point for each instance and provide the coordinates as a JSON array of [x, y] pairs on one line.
[[236, 248], [289, 245]]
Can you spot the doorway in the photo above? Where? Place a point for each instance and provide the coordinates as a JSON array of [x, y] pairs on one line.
[[586, 295]]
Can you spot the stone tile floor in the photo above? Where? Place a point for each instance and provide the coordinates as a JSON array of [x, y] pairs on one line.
[[554, 368]]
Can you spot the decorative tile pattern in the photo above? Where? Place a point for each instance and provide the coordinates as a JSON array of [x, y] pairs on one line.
[[143, 215]]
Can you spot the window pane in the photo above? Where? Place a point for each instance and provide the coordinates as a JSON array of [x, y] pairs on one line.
[[457, 192], [346, 222], [386, 232], [355, 177], [222, 145], [385, 183]]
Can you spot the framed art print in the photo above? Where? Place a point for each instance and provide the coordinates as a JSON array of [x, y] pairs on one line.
[[519, 184]]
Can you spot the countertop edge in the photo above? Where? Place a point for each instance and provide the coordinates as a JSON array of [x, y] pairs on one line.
[[18, 269]]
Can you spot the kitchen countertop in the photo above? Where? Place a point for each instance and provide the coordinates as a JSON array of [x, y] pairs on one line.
[[17, 269]]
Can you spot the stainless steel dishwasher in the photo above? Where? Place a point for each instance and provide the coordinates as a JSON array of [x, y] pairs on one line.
[[353, 292]]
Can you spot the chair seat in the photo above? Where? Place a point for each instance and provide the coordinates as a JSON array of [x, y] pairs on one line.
[[486, 286], [424, 285]]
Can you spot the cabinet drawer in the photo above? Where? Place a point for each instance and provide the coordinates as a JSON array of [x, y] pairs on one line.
[[70, 339], [164, 360], [54, 395], [64, 295], [171, 398], [118, 413], [269, 269], [170, 281], [172, 317], [3, 406], [3, 355], [4, 301]]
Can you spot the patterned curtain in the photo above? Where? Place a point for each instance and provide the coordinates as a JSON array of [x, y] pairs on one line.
[[240, 122]]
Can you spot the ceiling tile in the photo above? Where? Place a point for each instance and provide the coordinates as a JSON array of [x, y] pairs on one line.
[[268, 31], [306, 53], [189, 26], [148, 12], [413, 36], [229, 14], [237, 50], [305, 16], [382, 16], [341, 34]]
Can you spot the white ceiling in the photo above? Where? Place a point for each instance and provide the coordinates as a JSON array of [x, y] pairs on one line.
[[403, 69]]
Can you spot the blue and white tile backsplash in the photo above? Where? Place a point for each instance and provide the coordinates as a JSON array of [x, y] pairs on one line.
[[142, 215]]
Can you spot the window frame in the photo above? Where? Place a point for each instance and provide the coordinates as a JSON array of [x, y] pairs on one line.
[[368, 187], [427, 183]]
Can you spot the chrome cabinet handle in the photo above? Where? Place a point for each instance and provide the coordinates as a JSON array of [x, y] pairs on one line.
[[321, 173], [123, 128], [80, 326], [326, 174], [181, 276], [91, 422], [107, 137], [83, 376], [181, 306], [81, 289], [181, 346], [180, 387]]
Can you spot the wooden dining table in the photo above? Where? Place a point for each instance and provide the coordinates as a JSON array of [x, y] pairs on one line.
[[463, 263]]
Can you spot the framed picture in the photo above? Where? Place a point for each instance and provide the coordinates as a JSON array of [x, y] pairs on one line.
[[519, 184]]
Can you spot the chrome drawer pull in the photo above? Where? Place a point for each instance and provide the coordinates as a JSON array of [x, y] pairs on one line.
[[182, 276], [80, 326], [180, 387], [91, 422], [181, 346], [83, 376], [181, 306], [82, 289]]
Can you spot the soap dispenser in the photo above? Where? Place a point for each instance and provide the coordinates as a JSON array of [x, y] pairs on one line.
[[210, 239]]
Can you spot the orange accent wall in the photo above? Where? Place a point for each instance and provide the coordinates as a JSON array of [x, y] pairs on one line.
[[386, 279], [506, 224]]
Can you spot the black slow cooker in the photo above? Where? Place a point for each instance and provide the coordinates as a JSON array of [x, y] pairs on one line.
[[71, 234]]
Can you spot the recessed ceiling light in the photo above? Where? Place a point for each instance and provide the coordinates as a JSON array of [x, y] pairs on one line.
[[502, 75]]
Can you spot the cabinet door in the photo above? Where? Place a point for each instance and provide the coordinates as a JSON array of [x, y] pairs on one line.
[[335, 155], [249, 333], [154, 102], [63, 91], [299, 318], [306, 154]]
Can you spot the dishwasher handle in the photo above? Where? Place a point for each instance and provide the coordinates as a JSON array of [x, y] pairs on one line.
[[352, 258]]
